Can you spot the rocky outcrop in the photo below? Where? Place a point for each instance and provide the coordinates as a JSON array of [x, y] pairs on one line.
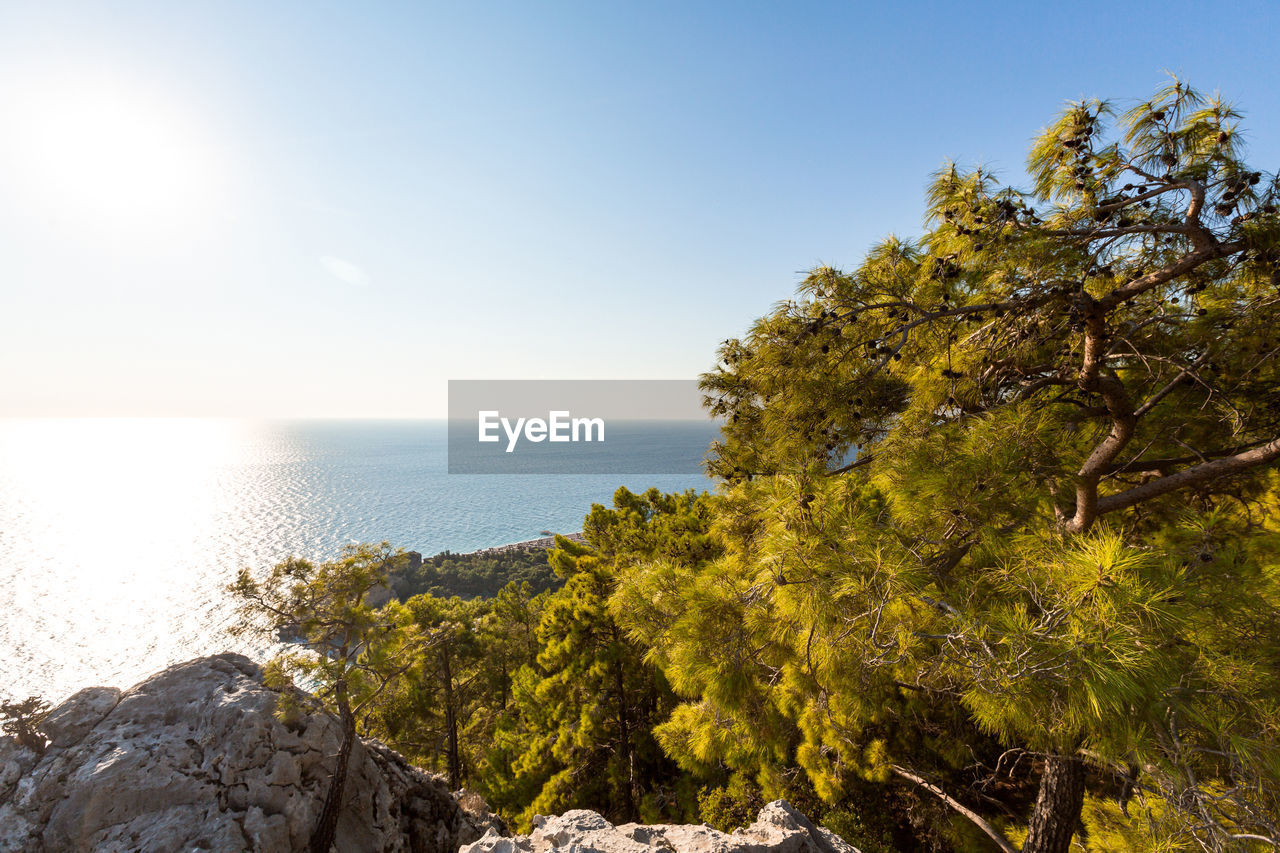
[[194, 758], [778, 829]]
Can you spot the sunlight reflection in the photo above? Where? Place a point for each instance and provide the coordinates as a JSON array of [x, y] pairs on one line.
[[112, 513]]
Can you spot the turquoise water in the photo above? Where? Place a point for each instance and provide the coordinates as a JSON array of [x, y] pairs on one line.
[[117, 535]]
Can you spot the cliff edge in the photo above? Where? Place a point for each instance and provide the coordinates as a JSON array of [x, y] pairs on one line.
[[194, 758]]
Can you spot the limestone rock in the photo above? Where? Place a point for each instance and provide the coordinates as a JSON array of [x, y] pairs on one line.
[[15, 761], [68, 723], [194, 758], [478, 810], [779, 828]]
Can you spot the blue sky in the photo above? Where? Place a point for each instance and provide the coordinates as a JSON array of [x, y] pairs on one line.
[[322, 209]]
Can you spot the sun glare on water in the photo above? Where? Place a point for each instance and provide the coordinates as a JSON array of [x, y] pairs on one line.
[[106, 527], [121, 157]]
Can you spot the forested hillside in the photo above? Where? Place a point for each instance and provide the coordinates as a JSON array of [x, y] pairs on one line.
[[481, 574]]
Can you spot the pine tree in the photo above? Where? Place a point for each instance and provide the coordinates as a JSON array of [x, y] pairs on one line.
[[424, 713], [21, 719], [1010, 480], [342, 643], [578, 733]]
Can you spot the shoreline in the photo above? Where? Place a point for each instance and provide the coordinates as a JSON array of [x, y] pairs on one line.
[[542, 543]]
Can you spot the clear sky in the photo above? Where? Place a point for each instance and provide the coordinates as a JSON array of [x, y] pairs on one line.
[[328, 209]]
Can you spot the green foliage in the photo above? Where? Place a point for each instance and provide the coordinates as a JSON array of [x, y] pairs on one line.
[[861, 829], [1144, 829], [671, 800], [1000, 498], [578, 732], [1006, 486], [445, 709], [423, 711], [479, 575], [1150, 824], [730, 806], [342, 643], [864, 819], [290, 708]]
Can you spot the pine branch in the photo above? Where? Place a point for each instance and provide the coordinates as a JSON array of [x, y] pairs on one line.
[[961, 808], [1203, 473]]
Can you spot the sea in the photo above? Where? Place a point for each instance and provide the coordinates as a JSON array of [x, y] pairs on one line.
[[118, 536]]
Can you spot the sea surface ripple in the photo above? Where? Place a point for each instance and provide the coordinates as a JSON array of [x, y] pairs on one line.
[[118, 536]]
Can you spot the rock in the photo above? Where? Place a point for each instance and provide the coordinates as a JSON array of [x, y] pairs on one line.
[[779, 828], [398, 578], [378, 596], [194, 758], [478, 810], [15, 761], [68, 723]]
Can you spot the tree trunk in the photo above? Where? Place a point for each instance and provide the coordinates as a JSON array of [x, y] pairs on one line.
[[451, 720], [1058, 804], [631, 813], [327, 824], [505, 681]]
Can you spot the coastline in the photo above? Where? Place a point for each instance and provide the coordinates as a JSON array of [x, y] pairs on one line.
[[542, 543]]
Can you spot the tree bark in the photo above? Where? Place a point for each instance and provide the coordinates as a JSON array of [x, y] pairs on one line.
[[327, 824], [631, 813], [451, 720], [1206, 472], [959, 807], [1058, 805]]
